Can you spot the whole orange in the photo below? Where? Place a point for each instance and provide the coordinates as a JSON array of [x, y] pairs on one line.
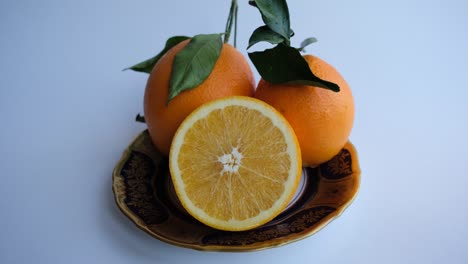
[[322, 119], [231, 75]]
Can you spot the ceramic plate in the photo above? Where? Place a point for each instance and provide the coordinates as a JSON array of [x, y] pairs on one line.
[[144, 193]]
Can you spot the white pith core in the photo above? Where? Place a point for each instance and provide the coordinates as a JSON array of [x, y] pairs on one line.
[[231, 161]]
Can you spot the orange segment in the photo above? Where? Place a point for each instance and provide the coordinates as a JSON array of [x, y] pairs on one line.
[[235, 163]]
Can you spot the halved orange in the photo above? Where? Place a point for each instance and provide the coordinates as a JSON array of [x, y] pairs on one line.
[[235, 163]]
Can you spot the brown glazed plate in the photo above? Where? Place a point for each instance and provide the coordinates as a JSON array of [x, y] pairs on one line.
[[144, 193]]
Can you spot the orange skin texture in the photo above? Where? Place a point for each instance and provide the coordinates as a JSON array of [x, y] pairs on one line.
[[231, 75], [322, 119]]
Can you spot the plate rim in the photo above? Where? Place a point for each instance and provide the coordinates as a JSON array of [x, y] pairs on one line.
[[116, 177]]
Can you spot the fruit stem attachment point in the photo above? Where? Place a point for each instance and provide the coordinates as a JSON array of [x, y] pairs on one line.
[[232, 20]]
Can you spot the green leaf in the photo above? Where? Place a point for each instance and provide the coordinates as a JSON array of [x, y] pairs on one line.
[[275, 14], [140, 118], [264, 33], [147, 65], [306, 42], [292, 34], [284, 64], [194, 63]]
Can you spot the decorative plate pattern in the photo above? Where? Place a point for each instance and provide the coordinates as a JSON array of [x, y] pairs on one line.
[[144, 193]]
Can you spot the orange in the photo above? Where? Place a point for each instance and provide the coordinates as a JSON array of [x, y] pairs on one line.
[[231, 75], [235, 163], [322, 119]]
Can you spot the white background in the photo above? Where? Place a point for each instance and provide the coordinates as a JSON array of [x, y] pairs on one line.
[[67, 111]]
